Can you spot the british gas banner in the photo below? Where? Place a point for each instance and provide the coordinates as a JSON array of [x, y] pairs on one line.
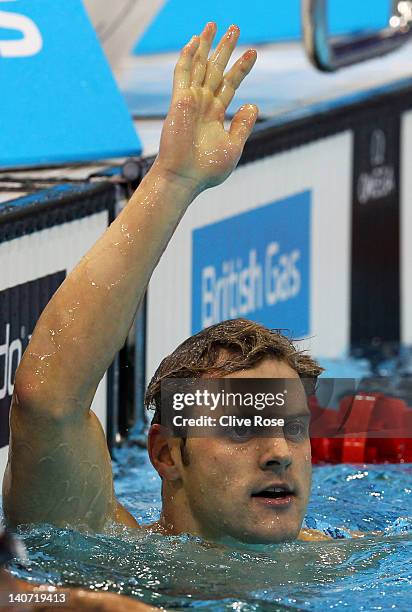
[[255, 265], [59, 101]]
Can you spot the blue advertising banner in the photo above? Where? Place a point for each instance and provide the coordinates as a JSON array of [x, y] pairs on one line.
[[59, 101], [255, 265], [260, 22]]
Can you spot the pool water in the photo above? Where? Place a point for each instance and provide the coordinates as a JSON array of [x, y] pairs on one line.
[[184, 572]]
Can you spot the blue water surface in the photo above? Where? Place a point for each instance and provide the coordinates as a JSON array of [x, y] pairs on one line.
[[185, 572]]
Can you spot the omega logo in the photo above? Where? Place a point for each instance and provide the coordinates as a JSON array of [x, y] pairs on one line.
[[380, 181]]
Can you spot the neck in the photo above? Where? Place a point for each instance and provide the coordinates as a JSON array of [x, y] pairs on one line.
[[177, 516]]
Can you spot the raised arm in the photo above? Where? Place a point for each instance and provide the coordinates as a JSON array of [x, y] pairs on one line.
[[59, 469]]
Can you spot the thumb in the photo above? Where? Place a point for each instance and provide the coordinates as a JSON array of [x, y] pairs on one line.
[[243, 123]]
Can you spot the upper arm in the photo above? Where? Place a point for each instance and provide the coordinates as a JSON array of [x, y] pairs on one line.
[[59, 468]]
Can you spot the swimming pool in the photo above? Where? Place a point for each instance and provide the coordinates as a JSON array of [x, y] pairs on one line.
[[183, 572]]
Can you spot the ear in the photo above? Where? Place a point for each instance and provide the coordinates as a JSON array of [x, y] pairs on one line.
[[160, 446]]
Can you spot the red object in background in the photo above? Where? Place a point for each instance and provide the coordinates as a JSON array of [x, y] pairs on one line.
[[344, 435], [324, 422], [388, 417], [354, 415], [326, 450], [408, 432]]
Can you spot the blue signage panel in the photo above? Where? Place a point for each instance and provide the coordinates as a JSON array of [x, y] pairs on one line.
[[255, 265], [59, 101], [268, 21]]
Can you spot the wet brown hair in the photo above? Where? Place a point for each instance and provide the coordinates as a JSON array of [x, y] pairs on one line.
[[229, 346]]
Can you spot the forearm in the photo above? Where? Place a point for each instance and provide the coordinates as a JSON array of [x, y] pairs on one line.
[[88, 319]]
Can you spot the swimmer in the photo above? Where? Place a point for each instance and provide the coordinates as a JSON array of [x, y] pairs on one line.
[[59, 469], [67, 599]]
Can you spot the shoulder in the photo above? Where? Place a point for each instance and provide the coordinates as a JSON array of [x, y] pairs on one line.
[[308, 535], [123, 516], [335, 533]]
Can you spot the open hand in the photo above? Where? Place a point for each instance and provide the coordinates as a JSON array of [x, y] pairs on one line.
[[194, 145]]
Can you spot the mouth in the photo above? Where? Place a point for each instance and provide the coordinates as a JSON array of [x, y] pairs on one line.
[[279, 495]]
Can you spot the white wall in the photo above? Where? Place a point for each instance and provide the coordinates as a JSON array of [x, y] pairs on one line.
[[406, 228]]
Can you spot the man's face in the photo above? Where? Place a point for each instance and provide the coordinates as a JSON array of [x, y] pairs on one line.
[[227, 482]]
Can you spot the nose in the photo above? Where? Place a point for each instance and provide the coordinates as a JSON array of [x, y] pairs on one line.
[[275, 453]]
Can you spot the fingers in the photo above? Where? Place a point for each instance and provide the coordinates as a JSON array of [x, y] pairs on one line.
[[202, 54], [195, 69], [183, 70], [235, 76], [243, 123], [220, 58]]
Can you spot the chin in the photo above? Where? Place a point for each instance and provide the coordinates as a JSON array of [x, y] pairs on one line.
[[277, 538], [269, 536]]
